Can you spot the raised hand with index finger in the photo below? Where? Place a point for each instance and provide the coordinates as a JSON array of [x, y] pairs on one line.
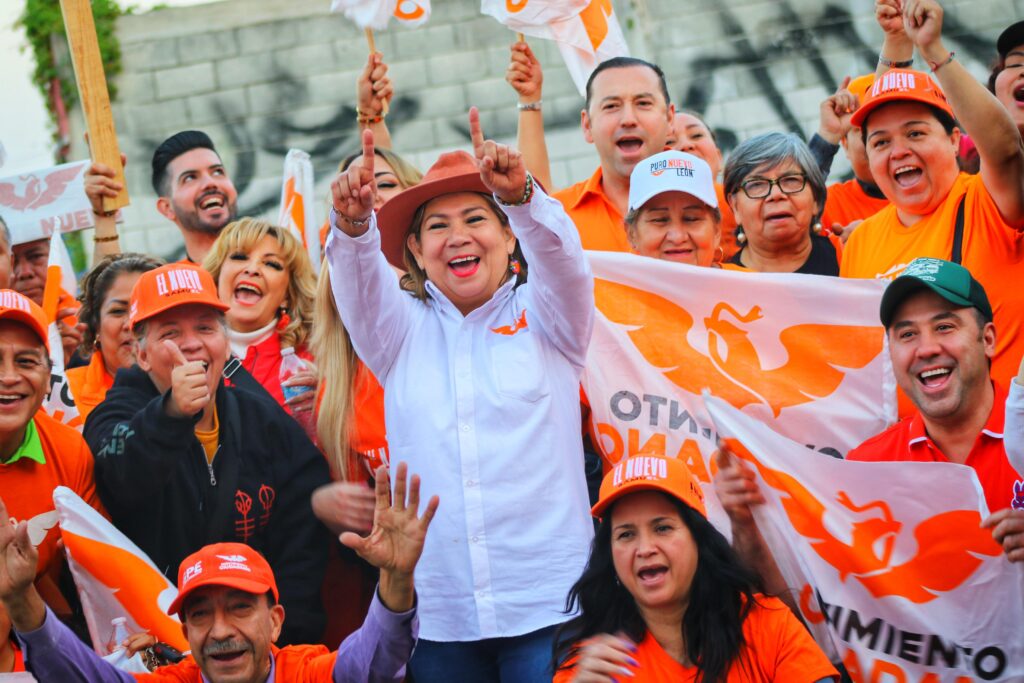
[[354, 191], [501, 166]]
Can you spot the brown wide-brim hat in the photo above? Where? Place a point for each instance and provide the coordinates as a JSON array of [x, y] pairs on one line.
[[452, 172]]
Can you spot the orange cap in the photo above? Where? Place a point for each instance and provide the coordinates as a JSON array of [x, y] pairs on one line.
[[175, 284], [232, 565], [859, 86], [900, 85], [650, 473], [18, 307]]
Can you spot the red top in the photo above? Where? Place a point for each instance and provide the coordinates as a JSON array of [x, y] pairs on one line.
[[263, 361], [908, 440]]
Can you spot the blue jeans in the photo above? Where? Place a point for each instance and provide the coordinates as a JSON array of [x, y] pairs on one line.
[[518, 659]]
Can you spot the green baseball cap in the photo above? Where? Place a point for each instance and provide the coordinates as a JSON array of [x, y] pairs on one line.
[[951, 281]]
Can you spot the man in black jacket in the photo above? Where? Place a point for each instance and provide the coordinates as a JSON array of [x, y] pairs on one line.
[[182, 460]]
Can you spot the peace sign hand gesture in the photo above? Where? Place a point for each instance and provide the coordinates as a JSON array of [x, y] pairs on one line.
[[354, 191], [501, 167], [18, 559]]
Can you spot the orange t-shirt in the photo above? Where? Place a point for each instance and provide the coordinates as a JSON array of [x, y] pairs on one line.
[[26, 486], [777, 648], [992, 250], [908, 440], [89, 384], [847, 202], [294, 664], [598, 221]]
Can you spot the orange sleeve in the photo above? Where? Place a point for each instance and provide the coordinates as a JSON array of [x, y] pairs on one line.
[[777, 634]]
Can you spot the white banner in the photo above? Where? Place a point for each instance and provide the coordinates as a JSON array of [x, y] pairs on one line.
[[802, 353], [375, 14], [587, 31], [297, 209], [889, 559], [49, 200], [114, 578]]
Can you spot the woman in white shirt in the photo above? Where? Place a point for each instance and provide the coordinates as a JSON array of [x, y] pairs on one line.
[[481, 391]]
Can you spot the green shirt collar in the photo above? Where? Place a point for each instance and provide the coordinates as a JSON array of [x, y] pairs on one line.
[[31, 447]]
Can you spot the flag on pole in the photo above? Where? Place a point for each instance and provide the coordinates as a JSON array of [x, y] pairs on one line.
[[297, 212], [60, 276], [587, 31], [802, 353], [375, 14], [893, 571], [114, 578]]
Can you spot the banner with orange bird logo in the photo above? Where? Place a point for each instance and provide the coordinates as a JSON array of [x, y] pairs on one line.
[[114, 577], [297, 212], [376, 14], [802, 353], [893, 571]]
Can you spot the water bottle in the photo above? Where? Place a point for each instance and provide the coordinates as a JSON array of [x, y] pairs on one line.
[[116, 642], [290, 365]]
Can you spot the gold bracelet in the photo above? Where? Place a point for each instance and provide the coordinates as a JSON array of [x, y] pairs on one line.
[[108, 238]]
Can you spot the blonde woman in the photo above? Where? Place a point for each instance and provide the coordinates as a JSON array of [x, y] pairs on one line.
[[264, 275]]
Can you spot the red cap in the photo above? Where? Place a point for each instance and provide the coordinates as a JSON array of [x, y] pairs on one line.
[[900, 85], [452, 172], [650, 473], [232, 565], [18, 307], [166, 287]]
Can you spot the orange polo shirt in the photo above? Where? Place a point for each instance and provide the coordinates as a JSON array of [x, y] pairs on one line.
[[26, 485], [848, 202], [777, 648], [89, 384], [598, 221], [908, 440], [294, 664], [992, 250]]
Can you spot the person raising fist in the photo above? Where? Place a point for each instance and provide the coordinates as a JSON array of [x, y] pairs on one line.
[[480, 370]]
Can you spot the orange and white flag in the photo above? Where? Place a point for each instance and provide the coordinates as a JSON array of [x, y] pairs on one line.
[[894, 574], [803, 353], [60, 275], [587, 31], [297, 208], [114, 578], [376, 14]]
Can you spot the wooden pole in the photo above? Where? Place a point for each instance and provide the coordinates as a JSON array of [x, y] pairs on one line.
[[92, 91], [520, 38]]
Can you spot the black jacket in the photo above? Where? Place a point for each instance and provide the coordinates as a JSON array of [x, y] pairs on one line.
[[153, 478]]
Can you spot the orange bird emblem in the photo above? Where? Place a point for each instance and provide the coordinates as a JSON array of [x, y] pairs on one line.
[[659, 329], [509, 330], [949, 545]]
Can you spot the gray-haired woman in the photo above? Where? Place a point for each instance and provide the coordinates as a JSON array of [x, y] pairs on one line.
[[777, 193]]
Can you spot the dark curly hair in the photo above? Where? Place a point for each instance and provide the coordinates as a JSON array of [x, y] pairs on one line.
[[96, 285], [721, 597]]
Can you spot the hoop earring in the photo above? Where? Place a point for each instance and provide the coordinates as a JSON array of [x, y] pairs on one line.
[[719, 254]]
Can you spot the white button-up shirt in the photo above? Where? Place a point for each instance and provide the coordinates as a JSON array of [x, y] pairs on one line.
[[489, 420]]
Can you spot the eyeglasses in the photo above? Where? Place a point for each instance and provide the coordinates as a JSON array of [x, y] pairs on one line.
[[759, 188]]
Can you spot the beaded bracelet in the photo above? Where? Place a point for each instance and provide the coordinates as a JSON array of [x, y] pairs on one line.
[[527, 194], [935, 66]]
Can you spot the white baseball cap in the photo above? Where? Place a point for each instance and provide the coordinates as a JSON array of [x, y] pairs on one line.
[[671, 171]]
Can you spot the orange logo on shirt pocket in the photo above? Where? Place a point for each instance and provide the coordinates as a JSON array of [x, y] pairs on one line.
[[510, 330]]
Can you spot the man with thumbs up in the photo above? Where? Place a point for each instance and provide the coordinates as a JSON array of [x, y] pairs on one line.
[[182, 460]]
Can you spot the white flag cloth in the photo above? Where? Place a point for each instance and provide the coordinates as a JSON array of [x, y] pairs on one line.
[[37, 204], [59, 403], [297, 203], [803, 353], [587, 31], [375, 14], [114, 578], [888, 559]]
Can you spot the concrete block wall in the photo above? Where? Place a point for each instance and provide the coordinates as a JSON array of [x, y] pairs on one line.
[[261, 76]]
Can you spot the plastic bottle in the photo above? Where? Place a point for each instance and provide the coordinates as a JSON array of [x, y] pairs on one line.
[[116, 642], [290, 365]]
